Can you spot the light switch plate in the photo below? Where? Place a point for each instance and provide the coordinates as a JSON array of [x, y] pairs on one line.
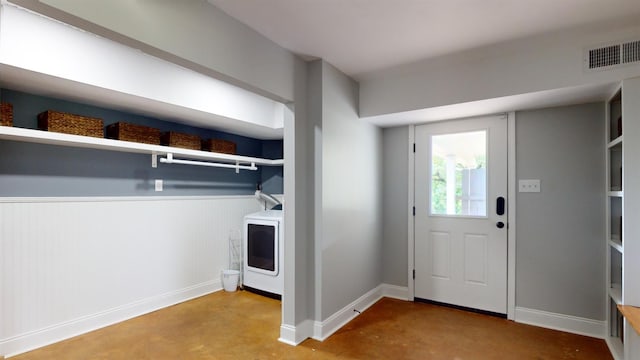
[[158, 185], [529, 185]]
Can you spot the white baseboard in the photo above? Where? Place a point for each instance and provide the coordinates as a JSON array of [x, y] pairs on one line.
[[395, 292], [324, 329], [567, 323], [58, 332], [615, 348], [288, 334], [294, 335]]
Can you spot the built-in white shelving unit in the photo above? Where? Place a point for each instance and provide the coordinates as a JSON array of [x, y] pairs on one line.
[[53, 138], [629, 307], [615, 222]]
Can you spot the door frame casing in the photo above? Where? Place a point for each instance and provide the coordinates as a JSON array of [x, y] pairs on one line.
[[410, 214], [511, 214]]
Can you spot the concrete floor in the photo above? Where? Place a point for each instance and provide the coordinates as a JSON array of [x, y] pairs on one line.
[[243, 325]]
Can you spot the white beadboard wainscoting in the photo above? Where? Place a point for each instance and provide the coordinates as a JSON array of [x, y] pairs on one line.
[[72, 265]]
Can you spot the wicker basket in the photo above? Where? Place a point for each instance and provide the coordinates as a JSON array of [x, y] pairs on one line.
[[181, 140], [6, 114], [135, 133], [219, 146], [70, 124]]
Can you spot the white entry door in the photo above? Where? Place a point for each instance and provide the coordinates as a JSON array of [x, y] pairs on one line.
[[461, 214]]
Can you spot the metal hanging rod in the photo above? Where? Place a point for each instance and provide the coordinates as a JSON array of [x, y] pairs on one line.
[[170, 160]]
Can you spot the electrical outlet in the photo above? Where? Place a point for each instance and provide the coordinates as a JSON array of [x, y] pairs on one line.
[[158, 184], [529, 185]]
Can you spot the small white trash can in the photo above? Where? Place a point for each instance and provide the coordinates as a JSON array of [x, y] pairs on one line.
[[230, 280]]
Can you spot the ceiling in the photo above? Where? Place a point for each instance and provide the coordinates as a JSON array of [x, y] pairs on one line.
[[363, 36]]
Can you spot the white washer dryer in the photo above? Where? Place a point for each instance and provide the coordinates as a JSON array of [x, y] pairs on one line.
[[263, 244]]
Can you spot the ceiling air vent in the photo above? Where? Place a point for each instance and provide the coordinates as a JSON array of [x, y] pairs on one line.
[[631, 52], [604, 57], [612, 55]]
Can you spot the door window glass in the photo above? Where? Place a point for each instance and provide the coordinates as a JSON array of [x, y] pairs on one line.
[[459, 174]]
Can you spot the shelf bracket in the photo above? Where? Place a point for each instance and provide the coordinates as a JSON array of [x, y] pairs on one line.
[[154, 160]]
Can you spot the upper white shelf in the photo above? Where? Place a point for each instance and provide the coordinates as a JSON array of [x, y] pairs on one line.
[[615, 142], [53, 138], [615, 243], [617, 193], [615, 292]]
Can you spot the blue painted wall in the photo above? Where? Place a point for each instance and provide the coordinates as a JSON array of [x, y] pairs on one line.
[[272, 176], [28, 169]]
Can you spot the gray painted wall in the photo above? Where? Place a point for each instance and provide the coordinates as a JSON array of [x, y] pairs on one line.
[[193, 34], [299, 188], [395, 159], [351, 241], [561, 231], [314, 146]]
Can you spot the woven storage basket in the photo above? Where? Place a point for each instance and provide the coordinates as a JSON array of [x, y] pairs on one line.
[[70, 124], [6, 114], [181, 140], [219, 146], [135, 133]]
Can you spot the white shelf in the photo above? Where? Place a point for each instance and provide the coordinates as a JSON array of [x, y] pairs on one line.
[[53, 138], [615, 142], [615, 292], [615, 194], [616, 244]]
